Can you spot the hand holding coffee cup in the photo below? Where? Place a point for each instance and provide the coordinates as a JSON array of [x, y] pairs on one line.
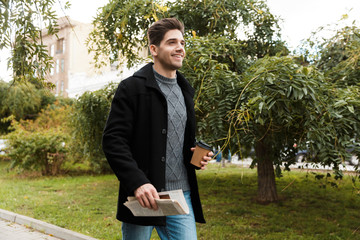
[[201, 149]]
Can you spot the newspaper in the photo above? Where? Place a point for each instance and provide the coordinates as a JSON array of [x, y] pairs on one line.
[[170, 203]]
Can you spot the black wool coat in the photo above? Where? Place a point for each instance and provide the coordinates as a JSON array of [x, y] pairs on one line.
[[134, 140]]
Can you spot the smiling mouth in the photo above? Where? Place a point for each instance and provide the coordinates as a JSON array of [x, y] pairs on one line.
[[178, 56]]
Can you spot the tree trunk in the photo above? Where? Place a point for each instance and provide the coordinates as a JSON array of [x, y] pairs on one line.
[[266, 177], [223, 162]]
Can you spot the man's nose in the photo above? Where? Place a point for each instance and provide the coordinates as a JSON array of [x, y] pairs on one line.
[[180, 47]]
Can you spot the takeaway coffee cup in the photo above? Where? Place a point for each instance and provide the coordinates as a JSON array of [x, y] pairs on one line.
[[201, 149]]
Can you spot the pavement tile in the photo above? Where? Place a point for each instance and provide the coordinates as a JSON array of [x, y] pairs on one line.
[[13, 231]]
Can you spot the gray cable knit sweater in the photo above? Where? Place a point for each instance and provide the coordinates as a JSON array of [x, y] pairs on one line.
[[175, 175]]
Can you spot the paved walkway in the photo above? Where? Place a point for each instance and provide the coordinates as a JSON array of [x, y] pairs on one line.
[[18, 227], [13, 231]]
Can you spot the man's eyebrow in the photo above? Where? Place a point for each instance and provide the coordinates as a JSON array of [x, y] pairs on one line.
[[172, 39]]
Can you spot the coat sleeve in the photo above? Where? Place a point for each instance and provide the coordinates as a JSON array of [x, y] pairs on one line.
[[117, 140]]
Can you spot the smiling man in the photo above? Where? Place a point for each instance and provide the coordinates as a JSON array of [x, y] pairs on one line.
[[149, 137]]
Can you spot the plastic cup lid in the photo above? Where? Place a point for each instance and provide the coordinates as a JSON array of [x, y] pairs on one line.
[[204, 145]]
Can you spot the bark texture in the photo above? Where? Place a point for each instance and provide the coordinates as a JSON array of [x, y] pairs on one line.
[[266, 177]]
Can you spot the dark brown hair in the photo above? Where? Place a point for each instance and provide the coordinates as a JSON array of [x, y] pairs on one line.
[[158, 30]]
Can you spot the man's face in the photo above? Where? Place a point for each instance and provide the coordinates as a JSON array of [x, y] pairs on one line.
[[171, 52]]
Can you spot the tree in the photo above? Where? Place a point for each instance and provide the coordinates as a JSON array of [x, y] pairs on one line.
[[21, 24], [338, 55], [22, 100], [87, 122], [282, 103], [248, 92], [120, 27], [339, 58], [217, 56]]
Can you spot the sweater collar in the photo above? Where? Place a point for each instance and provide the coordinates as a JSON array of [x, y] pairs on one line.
[[148, 73], [163, 79]]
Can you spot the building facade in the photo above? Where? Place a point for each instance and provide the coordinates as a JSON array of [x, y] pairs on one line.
[[73, 72]]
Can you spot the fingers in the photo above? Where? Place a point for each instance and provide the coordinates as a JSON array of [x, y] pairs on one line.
[[206, 160], [203, 165], [146, 195], [209, 156]]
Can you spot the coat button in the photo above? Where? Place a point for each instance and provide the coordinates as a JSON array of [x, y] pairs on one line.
[[163, 159], [163, 131]]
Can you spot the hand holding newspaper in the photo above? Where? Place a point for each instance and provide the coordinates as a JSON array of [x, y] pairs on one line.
[[170, 203]]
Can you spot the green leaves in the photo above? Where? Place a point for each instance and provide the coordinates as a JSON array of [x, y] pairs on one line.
[[120, 28], [247, 89], [21, 24], [39, 145], [207, 68], [22, 100], [337, 56], [87, 122], [289, 103], [277, 81]]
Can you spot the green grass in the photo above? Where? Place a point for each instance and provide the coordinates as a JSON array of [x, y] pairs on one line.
[[308, 209]]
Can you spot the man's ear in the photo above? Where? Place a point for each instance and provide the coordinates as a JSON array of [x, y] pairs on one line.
[[153, 50]]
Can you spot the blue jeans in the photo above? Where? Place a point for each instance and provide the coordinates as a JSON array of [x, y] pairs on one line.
[[180, 227]]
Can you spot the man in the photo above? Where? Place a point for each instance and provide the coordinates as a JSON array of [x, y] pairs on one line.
[[149, 137]]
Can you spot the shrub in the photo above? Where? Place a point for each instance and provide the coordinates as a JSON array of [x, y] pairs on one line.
[[23, 101], [40, 145], [87, 122], [42, 150]]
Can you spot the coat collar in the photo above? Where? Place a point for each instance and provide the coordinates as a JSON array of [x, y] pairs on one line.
[[148, 73]]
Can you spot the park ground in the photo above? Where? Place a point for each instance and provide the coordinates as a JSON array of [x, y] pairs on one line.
[[309, 207]]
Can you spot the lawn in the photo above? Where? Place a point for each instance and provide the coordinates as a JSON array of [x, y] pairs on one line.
[[308, 209]]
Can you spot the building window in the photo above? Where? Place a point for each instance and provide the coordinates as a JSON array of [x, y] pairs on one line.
[[62, 86], [52, 50], [63, 47], [60, 46], [57, 65], [52, 70], [62, 65], [56, 87]]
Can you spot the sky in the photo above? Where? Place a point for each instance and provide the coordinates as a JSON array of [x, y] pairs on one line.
[[299, 17]]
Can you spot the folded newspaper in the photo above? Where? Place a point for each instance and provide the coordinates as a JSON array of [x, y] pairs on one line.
[[170, 203]]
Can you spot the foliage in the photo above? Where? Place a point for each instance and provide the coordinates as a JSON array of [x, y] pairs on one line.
[[343, 114], [21, 25], [338, 56], [207, 68], [39, 145], [276, 101], [250, 22], [55, 115], [120, 28], [283, 103], [22, 100], [87, 122], [248, 92], [216, 56]]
